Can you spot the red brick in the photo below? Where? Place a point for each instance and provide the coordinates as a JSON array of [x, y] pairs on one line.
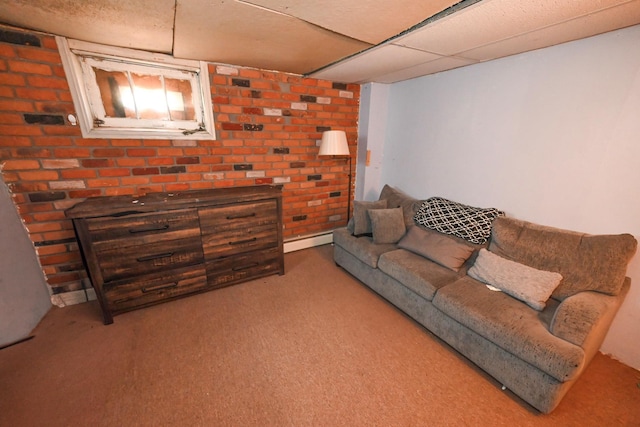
[[177, 187], [41, 175], [108, 152], [157, 179], [187, 160], [161, 161], [114, 172], [102, 182], [44, 226], [141, 152], [54, 141], [48, 82], [20, 165], [53, 249], [7, 92], [15, 105], [78, 173], [39, 55], [36, 94], [135, 180], [29, 68], [175, 152], [128, 162], [97, 163], [71, 152], [145, 171], [81, 194], [62, 278], [119, 191], [12, 79], [62, 130]]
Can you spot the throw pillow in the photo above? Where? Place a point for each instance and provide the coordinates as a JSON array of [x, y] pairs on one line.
[[437, 247], [387, 225], [471, 223], [529, 285], [396, 198], [361, 221]]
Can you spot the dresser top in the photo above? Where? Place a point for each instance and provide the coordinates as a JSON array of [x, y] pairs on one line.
[[151, 202]]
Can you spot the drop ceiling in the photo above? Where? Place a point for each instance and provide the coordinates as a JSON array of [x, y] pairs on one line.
[[361, 41]]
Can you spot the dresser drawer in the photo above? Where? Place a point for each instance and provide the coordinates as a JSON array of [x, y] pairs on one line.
[[227, 271], [146, 290], [234, 242], [120, 262], [139, 229], [233, 217]]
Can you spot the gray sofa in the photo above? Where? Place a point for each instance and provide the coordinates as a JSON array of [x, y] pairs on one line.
[[538, 353]]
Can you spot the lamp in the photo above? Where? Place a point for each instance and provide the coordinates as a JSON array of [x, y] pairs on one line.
[[334, 143]]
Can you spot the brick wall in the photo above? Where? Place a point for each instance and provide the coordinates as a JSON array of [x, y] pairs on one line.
[[267, 125]]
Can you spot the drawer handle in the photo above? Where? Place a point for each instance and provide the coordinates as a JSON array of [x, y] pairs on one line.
[[125, 213], [246, 267], [148, 229], [152, 257], [159, 287], [240, 242], [252, 214]]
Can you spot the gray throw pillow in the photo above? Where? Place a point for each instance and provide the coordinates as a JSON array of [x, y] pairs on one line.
[[387, 225], [437, 247], [361, 221], [529, 285]]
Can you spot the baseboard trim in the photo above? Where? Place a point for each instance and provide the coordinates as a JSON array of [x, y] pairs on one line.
[[74, 297], [306, 242]]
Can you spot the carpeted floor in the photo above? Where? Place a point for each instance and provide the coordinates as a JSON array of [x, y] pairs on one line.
[[311, 348]]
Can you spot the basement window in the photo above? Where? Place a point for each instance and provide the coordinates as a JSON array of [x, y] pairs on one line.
[[124, 93]]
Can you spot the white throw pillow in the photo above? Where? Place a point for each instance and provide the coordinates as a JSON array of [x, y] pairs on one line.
[[531, 286]]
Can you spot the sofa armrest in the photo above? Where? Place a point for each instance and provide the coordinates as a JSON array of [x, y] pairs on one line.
[[584, 318]]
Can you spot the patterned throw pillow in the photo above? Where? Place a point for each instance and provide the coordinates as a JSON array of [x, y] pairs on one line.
[[468, 222]]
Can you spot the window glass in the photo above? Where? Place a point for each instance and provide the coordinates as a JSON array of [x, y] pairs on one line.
[[122, 96]]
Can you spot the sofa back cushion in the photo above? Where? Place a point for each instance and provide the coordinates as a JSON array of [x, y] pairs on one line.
[[448, 251], [397, 199], [586, 262]]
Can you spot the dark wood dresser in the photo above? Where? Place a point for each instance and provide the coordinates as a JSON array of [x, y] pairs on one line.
[[145, 250]]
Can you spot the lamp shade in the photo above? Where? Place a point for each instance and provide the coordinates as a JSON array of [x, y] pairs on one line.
[[334, 143]]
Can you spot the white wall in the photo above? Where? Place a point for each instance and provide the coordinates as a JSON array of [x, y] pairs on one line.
[[24, 296], [372, 122], [550, 136]]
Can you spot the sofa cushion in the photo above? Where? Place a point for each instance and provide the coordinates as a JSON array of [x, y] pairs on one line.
[[586, 262], [470, 223], [387, 225], [361, 220], [511, 325], [362, 247], [397, 199], [416, 272], [529, 285], [441, 248]]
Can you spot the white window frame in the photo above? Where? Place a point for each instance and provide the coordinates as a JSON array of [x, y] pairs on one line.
[[77, 60]]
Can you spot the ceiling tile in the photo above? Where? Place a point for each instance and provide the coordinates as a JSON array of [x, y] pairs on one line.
[[110, 22], [606, 20], [240, 34], [374, 62], [489, 21], [442, 64], [372, 21]]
